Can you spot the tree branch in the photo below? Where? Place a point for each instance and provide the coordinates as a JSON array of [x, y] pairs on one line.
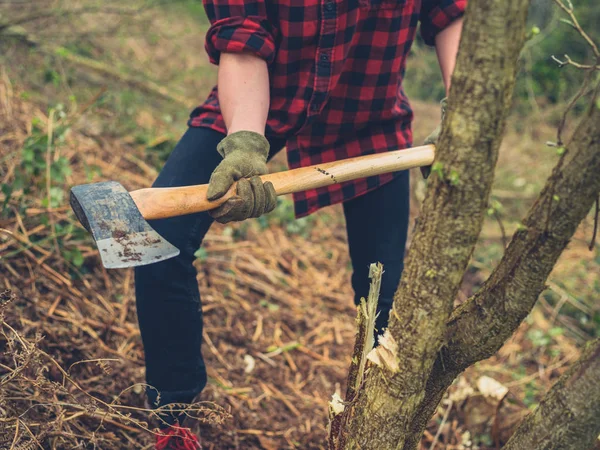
[[575, 24], [569, 62], [568, 415], [479, 327]]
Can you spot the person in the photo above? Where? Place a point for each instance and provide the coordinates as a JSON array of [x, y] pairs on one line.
[[324, 80]]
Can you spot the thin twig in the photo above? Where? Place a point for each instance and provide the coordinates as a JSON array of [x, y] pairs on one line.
[[439, 430], [502, 229], [596, 218], [14, 441], [35, 439], [49, 178], [575, 24], [582, 90], [569, 62]]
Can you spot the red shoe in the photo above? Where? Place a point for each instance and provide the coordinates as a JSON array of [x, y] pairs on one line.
[[177, 438]]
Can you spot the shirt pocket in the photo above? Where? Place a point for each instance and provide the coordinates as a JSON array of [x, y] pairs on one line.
[[383, 4]]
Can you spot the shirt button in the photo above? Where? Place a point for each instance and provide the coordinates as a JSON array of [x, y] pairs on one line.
[[324, 57], [314, 107], [329, 6]]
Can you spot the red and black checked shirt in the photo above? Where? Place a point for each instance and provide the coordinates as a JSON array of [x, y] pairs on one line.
[[336, 68]]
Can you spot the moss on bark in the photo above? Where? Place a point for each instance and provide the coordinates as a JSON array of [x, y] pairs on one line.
[[478, 328]]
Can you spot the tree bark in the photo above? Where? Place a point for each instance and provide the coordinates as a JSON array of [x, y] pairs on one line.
[[478, 328], [450, 224], [568, 417]]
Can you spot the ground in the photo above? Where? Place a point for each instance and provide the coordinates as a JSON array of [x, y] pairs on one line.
[[277, 300]]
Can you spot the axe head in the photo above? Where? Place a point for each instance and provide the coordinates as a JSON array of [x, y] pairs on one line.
[[122, 235]]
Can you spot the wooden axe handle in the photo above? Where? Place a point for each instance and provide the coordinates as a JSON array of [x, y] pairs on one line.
[[159, 203]]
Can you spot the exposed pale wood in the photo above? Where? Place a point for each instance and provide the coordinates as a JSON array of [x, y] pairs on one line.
[[159, 203]]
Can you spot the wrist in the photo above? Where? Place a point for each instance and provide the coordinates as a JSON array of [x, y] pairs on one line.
[[246, 141], [237, 127]]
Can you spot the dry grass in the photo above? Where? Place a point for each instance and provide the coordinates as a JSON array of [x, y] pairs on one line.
[[287, 313]]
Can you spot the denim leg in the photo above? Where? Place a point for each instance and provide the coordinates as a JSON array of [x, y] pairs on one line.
[[377, 225], [167, 296]]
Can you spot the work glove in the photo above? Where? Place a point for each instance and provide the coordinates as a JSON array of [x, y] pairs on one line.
[[244, 158], [434, 137]]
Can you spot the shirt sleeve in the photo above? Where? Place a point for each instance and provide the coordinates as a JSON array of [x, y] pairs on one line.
[[437, 15], [239, 26]]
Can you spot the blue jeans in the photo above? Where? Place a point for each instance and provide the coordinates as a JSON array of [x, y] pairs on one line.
[[167, 296]]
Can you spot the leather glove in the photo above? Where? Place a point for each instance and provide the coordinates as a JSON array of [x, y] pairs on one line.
[[244, 158], [434, 136]]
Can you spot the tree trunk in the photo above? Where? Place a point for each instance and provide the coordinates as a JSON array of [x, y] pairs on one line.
[[481, 325], [450, 224], [569, 416]]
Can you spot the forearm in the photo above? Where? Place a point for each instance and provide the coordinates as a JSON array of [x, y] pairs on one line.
[[243, 83], [446, 46]]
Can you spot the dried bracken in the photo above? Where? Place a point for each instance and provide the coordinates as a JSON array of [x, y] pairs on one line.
[[71, 370]]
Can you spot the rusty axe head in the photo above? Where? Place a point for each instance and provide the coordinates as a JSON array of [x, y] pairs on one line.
[[122, 235]]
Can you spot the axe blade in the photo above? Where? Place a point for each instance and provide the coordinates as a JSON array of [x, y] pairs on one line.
[[122, 235]]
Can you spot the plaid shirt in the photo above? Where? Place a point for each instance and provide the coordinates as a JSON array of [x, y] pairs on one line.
[[336, 68]]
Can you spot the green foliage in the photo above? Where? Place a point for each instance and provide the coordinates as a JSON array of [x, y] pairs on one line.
[[157, 150], [284, 216], [531, 394], [272, 307], [191, 8], [495, 207], [540, 76], [540, 338], [438, 169], [484, 439], [454, 178], [422, 79], [125, 104], [80, 47], [31, 174], [74, 256], [577, 297], [42, 173], [91, 171], [201, 254], [52, 76]]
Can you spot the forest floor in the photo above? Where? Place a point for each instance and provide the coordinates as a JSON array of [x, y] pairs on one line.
[[277, 300]]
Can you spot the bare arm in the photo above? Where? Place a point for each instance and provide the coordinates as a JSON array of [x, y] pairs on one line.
[[446, 46], [243, 84]]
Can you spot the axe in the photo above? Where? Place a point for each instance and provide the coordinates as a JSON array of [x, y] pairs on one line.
[[117, 218]]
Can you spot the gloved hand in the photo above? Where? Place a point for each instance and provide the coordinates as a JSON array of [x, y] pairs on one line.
[[433, 137], [244, 158]]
